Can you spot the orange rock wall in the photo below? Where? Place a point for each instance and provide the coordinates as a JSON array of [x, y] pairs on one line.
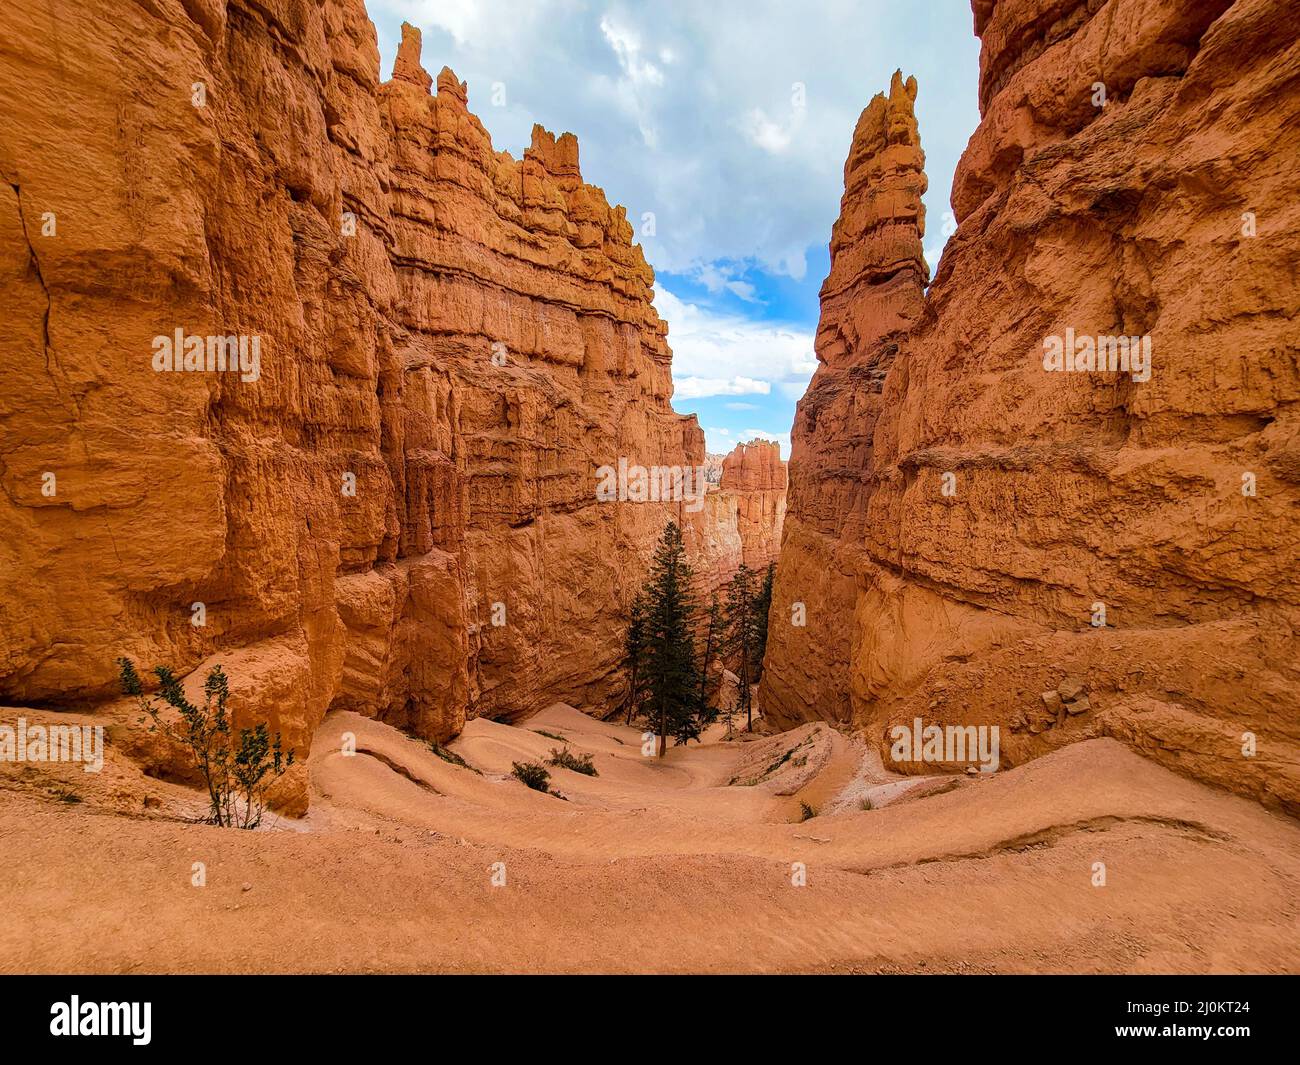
[[399, 515], [740, 519], [873, 294], [1072, 490]]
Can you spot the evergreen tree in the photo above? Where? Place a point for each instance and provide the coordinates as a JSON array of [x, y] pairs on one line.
[[712, 647], [671, 676], [742, 635], [762, 607], [634, 651]]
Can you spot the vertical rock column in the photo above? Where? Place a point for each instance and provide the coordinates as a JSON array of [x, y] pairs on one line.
[[872, 296]]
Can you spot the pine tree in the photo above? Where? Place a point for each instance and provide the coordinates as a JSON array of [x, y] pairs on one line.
[[670, 672], [762, 607], [712, 646], [742, 635], [634, 652]]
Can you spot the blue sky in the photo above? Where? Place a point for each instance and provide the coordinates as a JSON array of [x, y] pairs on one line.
[[723, 128]]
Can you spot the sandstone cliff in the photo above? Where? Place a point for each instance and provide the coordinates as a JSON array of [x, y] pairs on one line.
[[395, 511], [993, 538]]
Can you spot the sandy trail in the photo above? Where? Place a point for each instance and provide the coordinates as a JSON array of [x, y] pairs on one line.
[[652, 865]]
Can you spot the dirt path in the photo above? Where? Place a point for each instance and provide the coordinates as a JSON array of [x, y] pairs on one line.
[[653, 865]]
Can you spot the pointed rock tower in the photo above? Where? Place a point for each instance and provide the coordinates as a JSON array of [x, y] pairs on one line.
[[870, 299]]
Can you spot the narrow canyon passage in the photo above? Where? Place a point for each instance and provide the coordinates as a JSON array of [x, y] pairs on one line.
[[696, 864], [413, 539]]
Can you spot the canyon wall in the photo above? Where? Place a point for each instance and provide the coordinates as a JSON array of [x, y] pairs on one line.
[[395, 510], [754, 476], [1070, 554]]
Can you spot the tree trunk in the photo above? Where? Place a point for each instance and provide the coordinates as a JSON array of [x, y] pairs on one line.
[[704, 673], [631, 697], [745, 693]]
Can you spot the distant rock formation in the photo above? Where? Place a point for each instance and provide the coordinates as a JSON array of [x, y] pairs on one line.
[[713, 467], [743, 515], [755, 476], [978, 535]]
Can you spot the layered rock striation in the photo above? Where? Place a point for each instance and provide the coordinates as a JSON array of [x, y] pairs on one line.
[[1059, 550], [395, 510], [754, 481]]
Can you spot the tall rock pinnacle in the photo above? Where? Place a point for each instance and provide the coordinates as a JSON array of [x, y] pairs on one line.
[[873, 294]]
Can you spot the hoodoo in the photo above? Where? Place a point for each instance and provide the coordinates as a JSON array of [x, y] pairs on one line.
[[873, 295]]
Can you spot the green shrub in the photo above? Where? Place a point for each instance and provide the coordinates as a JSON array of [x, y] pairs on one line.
[[452, 757], [533, 774], [551, 735], [237, 775], [565, 759], [806, 812]]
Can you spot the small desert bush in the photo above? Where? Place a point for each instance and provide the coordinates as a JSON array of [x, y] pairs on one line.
[[237, 773], [806, 812], [787, 756], [551, 735], [580, 763], [452, 757], [533, 774]]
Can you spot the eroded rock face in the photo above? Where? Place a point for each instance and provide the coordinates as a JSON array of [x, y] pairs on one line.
[[395, 511], [873, 294], [1168, 503]]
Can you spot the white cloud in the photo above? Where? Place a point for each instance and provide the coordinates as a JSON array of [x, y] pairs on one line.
[[741, 406], [713, 276], [725, 277], [769, 134], [687, 109], [764, 133], [627, 47], [710, 345], [699, 387]]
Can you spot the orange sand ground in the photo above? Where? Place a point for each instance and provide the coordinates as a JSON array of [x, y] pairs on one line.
[[649, 867]]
